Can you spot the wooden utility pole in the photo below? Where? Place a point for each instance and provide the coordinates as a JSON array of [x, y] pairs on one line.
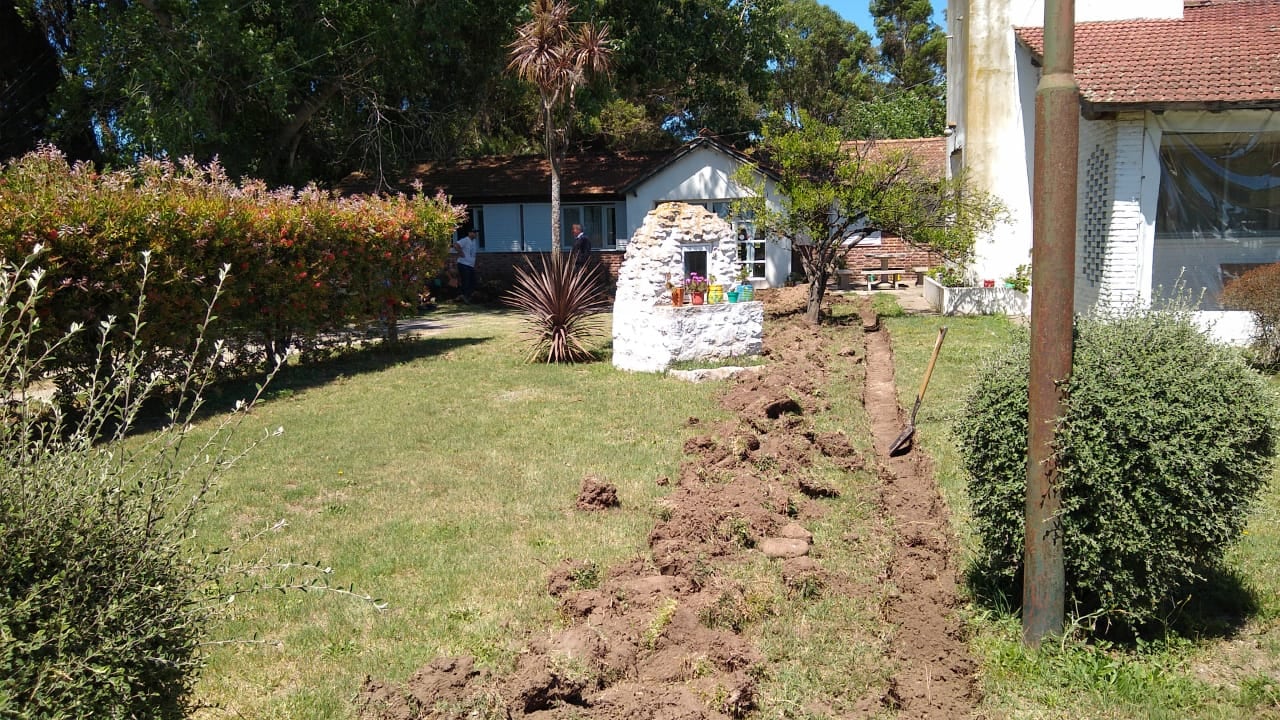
[[1057, 144]]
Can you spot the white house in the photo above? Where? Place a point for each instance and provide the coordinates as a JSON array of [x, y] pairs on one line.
[[609, 194], [1179, 165]]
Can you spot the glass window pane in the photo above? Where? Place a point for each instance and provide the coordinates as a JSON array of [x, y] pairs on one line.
[[695, 261], [1219, 207]]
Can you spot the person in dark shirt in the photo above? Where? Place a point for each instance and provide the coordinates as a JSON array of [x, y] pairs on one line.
[[581, 246]]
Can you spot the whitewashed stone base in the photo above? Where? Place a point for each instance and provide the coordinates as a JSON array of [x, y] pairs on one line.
[[665, 335], [649, 334]]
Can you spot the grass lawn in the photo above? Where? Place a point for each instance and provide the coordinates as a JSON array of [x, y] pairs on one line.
[[1213, 677], [440, 479]]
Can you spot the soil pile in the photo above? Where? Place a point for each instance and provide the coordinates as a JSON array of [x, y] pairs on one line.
[[660, 637]]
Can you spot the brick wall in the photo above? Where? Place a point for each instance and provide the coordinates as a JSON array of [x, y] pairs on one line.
[[859, 257]]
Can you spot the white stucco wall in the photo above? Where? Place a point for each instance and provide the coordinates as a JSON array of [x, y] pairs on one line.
[[700, 176], [996, 97], [991, 95]]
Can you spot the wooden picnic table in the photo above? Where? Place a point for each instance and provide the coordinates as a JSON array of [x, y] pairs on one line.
[[884, 259], [880, 274]]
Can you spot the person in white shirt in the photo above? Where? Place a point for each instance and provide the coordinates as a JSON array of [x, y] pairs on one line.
[[466, 246]]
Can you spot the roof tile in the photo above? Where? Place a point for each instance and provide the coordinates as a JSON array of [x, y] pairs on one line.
[[1222, 52]]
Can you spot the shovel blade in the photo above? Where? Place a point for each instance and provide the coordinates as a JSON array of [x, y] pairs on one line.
[[903, 442]]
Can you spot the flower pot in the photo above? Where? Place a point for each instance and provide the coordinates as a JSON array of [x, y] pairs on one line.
[[746, 293], [695, 298], [733, 295], [715, 294], [677, 296]]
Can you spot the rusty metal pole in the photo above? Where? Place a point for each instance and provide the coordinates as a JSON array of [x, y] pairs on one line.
[[1057, 143]]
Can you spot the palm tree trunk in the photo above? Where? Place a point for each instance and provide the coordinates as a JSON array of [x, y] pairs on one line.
[[553, 158]]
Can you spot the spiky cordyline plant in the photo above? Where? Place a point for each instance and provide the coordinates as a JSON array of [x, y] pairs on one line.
[[562, 302]]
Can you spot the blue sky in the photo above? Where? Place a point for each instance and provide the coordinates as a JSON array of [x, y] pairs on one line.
[[857, 12]]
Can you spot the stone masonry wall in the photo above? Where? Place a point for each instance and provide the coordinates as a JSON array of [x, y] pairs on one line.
[[648, 333]]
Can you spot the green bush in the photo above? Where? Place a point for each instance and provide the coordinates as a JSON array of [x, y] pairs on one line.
[[1258, 291], [1165, 441], [302, 264], [102, 605]]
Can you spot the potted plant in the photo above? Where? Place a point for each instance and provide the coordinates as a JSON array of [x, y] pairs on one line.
[[746, 291], [715, 291], [1020, 280], [697, 286], [676, 286]]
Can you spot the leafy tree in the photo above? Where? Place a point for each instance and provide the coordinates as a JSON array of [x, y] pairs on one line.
[[696, 64], [556, 56], [915, 113], [287, 90], [831, 189], [823, 64], [28, 71], [913, 49]]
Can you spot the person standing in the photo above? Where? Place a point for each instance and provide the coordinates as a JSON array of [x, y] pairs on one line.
[[581, 246], [466, 248]]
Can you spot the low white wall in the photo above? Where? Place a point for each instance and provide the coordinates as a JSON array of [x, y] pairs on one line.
[[665, 335], [975, 300]]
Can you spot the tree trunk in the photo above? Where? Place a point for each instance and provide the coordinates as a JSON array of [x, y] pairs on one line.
[[813, 259], [286, 142], [553, 158], [817, 291]]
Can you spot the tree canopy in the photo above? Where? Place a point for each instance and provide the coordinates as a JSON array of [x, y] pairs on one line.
[[300, 90]]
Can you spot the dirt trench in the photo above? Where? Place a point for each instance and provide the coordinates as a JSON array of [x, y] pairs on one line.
[[660, 637], [935, 674]]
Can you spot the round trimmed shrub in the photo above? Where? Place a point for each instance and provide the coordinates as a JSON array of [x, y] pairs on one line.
[[1165, 442]]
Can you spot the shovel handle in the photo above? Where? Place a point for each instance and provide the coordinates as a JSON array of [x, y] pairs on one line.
[[937, 346]]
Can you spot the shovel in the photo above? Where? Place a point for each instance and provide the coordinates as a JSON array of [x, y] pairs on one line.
[[903, 443]]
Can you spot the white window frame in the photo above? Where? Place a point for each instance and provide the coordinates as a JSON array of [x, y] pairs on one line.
[[608, 234]]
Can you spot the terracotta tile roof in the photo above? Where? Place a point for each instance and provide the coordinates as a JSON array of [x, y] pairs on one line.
[[1222, 53], [525, 178], [514, 178], [931, 153]]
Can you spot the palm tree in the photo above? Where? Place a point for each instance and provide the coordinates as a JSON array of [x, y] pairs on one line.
[[557, 56]]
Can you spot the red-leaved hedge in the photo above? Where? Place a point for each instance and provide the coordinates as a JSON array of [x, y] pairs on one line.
[[302, 263]]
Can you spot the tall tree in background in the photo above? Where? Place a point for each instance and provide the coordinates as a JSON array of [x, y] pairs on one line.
[[912, 57], [696, 64], [823, 66], [28, 73], [913, 49], [556, 56], [287, 90]]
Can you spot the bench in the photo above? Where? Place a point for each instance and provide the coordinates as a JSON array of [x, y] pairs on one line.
[[920, 273], [877, 276]]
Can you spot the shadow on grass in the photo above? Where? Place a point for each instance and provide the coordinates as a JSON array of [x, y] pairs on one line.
[[375, 357], [1217, 607]]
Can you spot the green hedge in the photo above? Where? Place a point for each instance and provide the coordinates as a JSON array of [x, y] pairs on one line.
[[1165, 442], [301, 263]]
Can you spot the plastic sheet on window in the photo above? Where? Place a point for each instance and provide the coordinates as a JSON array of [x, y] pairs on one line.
[[1219, 209]]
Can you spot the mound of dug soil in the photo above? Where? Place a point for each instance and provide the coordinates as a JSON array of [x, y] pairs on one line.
[[659, 637]]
